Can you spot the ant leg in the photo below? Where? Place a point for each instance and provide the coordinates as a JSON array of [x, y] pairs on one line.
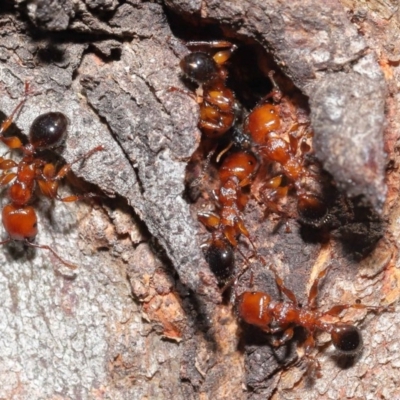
[[209, 220], [312, 295], [6, 124], [279, 282], [7, 178], [287, 335], [336, 310], [6, 165], [46, 247], [67, 167], [309, 345], [222, 152], [198, 99], [275, 94], [212, 44], [73, 198], [199, 180]]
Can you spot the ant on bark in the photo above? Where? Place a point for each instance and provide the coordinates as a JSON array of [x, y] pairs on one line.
[[264, 126], [218, 105], [219, 111], [47, 131], [236, 172], [259, 309]]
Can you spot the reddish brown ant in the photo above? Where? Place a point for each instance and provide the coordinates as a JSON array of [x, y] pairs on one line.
[[218, 105], [236, 171], [46, 132], [264, 125], [259, 309], [218, 112]]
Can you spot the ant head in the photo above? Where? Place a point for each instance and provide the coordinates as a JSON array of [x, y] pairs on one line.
[[221, 259], [261, 122], [199, 67], [48, 130], [347, 339], [241, 164]]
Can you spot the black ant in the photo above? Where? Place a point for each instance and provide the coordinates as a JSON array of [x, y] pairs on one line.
[[46, 132], [259, 309]]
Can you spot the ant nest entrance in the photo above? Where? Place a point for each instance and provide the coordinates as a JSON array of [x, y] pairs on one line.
[[248, 105], [262, 196]]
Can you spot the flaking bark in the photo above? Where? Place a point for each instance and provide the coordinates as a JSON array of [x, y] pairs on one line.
[[141, 317]]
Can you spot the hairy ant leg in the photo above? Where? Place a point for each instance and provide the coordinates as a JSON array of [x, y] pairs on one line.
[[47, 247], [49, 179], [313, 293], [13, 142]]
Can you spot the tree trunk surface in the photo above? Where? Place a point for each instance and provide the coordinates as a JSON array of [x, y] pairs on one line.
[[142, 316]]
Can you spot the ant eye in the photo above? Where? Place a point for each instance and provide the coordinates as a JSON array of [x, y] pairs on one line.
[[48, 130], [347, 339], [199, 67]]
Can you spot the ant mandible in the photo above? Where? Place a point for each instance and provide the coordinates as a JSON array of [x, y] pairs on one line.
[[264, 126], [46, 132], [259, 309]]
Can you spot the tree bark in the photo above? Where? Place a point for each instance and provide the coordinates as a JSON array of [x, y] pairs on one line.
[[142, 316]]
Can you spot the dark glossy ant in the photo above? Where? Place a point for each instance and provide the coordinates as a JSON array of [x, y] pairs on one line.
[[46, 132], [259, 309], [218, 105], [236, 171], [264, 125]]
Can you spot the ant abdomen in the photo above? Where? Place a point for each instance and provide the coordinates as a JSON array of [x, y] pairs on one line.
[[221, 259], [199, 67], [347, 339], [20, 223], [48, 130]]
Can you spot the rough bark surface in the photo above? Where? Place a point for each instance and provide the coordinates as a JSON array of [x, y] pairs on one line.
[[142, 317]]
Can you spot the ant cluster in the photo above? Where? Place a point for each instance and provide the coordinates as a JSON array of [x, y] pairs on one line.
[[33, 171], [267, 145]]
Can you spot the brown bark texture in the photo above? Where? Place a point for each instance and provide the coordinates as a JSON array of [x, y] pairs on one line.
[[142, 316]]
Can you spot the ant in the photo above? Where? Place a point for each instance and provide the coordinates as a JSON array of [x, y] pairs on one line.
[[259, 309], [47, 131], [219, 111], [236, 172], [218, 105], [264, 126]]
